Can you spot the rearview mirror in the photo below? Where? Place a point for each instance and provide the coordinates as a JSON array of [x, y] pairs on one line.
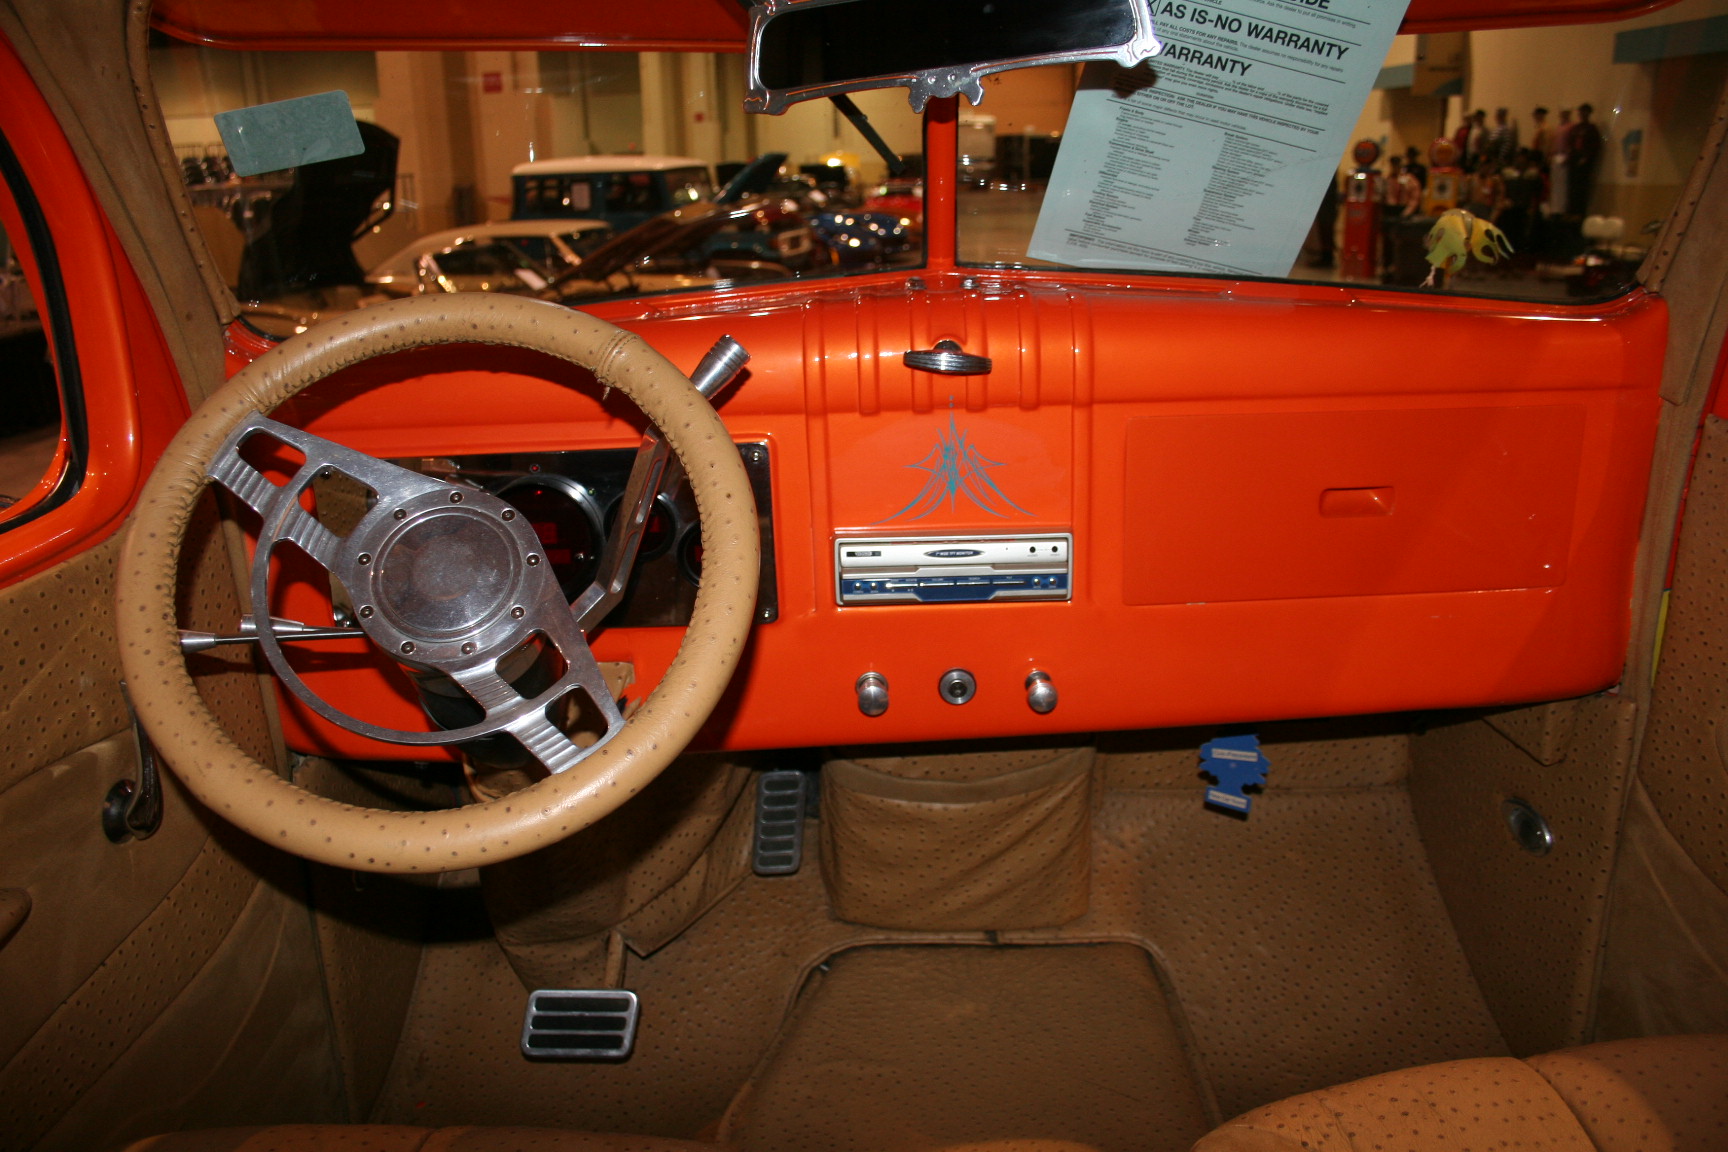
[[804, 49]]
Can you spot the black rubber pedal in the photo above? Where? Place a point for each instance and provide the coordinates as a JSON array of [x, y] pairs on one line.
[[580, 1024], [780, 822]]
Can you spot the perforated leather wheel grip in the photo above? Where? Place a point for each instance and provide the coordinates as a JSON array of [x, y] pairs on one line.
[[258, 800]]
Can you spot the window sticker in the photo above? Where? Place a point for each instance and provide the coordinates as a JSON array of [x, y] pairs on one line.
[[1213, 156], [289, 133]]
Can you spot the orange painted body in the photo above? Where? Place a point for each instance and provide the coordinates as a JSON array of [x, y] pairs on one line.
[[130, 392], [716, 26], [1261, 528]]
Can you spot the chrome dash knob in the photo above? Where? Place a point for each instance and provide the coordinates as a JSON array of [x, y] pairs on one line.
[[872, 688], [1040, 693]]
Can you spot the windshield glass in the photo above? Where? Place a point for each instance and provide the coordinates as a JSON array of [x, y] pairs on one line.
[[584, 149], [1565, 172]]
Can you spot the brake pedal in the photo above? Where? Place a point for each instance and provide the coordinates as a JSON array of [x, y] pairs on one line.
[[580, 1024], [779, 848]]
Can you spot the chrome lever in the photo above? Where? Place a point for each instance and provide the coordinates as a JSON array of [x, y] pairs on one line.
[[947, 359], [191, 641], [655, 469]]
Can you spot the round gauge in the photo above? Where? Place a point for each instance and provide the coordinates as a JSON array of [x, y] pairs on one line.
[[565, 519], [656, 534], [690, 556]]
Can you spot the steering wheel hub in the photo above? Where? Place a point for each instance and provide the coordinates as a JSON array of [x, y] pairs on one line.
[[446, 573]]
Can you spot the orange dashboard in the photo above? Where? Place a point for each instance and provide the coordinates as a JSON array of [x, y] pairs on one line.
[[1283, 500]]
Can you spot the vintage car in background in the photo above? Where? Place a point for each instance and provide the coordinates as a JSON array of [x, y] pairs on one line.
[[554, 246], [672, 251], [623, 191], [1065, 688], [901, 199], [626, 191], [852, 237]]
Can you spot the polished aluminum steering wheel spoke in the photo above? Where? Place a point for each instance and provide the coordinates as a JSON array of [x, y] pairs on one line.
[[447, 580], [263, 497], [505, 710]]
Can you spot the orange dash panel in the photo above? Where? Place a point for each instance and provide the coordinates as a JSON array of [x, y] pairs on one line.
[[1509, 443]]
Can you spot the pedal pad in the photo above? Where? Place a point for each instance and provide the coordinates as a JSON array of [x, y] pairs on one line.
[[780, 822], [579, 1024]]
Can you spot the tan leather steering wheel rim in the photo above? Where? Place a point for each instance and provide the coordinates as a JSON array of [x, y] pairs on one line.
[[254, 797]]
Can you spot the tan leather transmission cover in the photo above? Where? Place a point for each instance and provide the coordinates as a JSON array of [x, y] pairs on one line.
[[1002, 851]]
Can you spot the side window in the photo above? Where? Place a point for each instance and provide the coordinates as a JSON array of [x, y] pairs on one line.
[[536, 248], [688, 185], [632, 192], [583, 243], [485, 259], [41, 451]]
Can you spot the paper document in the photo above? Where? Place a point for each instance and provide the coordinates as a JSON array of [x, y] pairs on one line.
[[1213, 155]]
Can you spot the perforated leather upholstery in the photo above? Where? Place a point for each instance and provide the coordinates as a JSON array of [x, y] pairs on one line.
[[1665, 1094], [401, 1138]]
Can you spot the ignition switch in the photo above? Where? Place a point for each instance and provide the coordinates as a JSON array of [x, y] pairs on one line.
[[957, 686]]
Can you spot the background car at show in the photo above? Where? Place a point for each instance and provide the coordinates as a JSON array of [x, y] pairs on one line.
[[550, 247], [625, 191]]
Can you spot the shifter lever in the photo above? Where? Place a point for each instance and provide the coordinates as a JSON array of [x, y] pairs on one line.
[[651, 471]]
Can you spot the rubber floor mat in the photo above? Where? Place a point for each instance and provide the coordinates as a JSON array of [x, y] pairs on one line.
[[896, 1049]]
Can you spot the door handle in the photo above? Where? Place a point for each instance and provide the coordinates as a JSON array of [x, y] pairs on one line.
[[947, 359]]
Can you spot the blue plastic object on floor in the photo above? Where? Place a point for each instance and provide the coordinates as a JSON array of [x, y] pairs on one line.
[[1235, 764]]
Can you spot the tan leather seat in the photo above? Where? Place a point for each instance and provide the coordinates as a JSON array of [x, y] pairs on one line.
[[398, 1138], [1666, 1094], [401, 1138]]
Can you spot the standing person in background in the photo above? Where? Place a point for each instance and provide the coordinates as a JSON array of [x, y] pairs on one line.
[[1413, 165], [1557, 176], [1403, 191], [1541, 140], [1485, 190], [1461, 139], [1583, 153], [1502, 147], [1523, 191], [1403, 199], [1478, 137]]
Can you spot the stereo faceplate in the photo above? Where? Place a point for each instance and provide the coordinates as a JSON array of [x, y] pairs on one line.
[[953, 569]]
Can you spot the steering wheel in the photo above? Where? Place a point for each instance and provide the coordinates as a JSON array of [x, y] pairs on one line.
[[446, 579]]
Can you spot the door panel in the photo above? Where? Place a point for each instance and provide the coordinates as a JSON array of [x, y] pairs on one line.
[[127, 949], [59, 647]]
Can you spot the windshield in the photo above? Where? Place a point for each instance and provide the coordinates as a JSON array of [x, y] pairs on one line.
[[1474, 166], [590, 148], [1466, 164]]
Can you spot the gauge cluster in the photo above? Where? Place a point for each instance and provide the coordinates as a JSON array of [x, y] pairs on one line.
[[572, 498]]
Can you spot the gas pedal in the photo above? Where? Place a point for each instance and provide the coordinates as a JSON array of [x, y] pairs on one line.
[[780, 822], [579, 1024]]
